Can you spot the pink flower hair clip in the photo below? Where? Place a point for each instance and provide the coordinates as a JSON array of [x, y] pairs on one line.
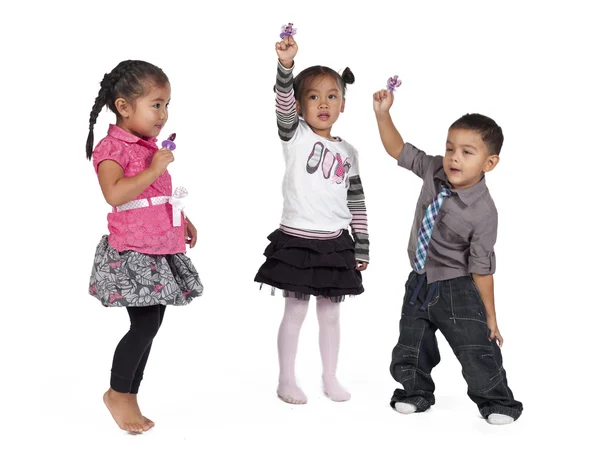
[[169, 142], [287, 30], [393, 83]]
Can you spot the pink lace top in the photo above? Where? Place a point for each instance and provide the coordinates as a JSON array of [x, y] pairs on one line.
[[146, 230]]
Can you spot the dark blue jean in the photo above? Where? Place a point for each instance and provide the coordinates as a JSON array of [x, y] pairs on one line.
[[455, 308]]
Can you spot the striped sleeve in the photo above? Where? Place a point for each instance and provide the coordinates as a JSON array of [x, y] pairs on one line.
[[360, 231], [285, 103]]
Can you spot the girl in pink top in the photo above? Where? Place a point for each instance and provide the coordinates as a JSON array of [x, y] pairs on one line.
[[141, 264]]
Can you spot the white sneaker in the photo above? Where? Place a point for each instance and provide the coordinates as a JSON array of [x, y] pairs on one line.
[[498, 419], [405, 408]]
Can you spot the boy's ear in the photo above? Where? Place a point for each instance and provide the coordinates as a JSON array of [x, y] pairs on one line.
[[343, 105], [491, 162], [298, 109]]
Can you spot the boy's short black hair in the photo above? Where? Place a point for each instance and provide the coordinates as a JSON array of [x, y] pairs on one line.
[[490, 132]]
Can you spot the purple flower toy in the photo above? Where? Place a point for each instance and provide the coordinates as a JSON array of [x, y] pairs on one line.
[[169, 142], [287, 30], [393, 83]]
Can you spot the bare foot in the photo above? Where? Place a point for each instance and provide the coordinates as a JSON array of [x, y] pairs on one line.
[[291, 393], [125, 411], [334, 390], [147, 422]]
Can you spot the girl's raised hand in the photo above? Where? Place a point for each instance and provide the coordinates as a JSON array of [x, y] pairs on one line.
[[286, 51]]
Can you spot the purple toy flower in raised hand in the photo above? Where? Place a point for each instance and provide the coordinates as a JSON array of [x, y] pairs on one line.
[[169, 142], [393, 83], [287, 30]]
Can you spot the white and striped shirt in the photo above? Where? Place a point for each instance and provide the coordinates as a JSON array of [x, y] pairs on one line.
[[322, 190]]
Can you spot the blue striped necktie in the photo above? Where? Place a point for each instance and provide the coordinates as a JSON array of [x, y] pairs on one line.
[[427, 227]]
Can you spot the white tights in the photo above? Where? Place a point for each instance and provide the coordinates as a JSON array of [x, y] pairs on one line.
[[328, 314]]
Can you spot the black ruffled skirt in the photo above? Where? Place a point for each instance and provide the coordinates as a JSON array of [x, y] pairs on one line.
[[303, 267]]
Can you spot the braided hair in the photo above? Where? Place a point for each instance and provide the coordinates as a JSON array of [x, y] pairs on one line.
[[347, 77], [127, 81]]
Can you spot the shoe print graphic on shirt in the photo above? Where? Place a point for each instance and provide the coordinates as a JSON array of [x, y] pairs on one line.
[[330, 163]]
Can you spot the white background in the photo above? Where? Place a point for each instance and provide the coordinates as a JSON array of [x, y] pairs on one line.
[[211, 378]]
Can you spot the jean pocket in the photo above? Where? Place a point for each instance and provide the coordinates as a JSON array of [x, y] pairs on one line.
[[407, 285], [473, 285], [480, 368], [467, 304]]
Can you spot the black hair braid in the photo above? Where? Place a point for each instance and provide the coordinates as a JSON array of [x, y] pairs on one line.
[[106, 86], [125, 80], [98, 105], [122, 73]]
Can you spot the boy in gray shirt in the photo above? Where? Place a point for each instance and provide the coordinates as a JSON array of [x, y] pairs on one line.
[[451, 249]]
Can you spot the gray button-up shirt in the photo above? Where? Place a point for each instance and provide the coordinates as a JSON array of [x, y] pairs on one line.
[[463, 238]]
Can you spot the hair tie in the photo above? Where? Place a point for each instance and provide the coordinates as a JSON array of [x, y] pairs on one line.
[[169, 142], [393, 83], [287, 30]]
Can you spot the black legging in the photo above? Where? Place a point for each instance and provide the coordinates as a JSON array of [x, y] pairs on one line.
[[132, 352]]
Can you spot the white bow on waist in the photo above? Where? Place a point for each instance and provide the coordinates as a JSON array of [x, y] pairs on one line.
[[176, 200]]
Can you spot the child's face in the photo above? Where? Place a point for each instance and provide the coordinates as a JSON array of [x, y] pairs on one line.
[[466, 158], [321, 103], [149, 113]]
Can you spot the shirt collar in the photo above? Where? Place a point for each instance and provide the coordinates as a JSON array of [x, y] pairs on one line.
[[469, 195], [122, 135]]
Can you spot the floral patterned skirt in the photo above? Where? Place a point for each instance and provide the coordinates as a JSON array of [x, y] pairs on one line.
[[130, 278]]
